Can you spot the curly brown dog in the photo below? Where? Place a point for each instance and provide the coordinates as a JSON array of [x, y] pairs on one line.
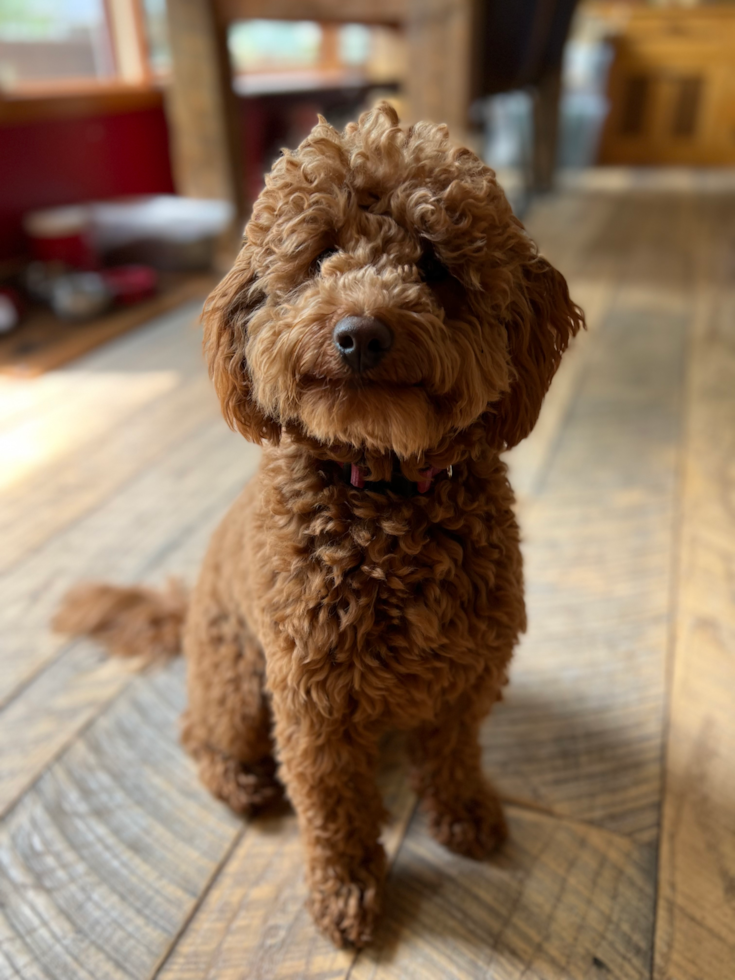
[[388, 329]]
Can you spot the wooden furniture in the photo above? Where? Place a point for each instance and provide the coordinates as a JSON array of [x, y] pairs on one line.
[[203, 113], [614, 749], [74, 100], [520, 46], [459, 50], [672, 88], [201, 105]]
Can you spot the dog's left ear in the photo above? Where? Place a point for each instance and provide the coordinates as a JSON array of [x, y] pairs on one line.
[[542, 320], [226, 314]]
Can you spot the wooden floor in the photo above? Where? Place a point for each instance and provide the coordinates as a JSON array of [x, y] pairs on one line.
[[615, 749], [44, 342]]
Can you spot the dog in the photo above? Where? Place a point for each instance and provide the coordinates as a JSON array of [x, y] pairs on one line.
[[387, 331]]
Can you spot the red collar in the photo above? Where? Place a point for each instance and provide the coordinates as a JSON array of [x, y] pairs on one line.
[[398, 483]]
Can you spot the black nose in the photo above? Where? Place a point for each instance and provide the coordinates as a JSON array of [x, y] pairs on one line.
[[362, 341]]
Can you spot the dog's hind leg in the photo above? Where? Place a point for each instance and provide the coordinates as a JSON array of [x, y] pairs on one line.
[[227, 726]]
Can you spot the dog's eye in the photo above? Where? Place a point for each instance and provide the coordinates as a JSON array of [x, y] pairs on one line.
[[432, 270], [322, 257]]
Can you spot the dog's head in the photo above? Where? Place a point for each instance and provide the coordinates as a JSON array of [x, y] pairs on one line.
[[385, 298]]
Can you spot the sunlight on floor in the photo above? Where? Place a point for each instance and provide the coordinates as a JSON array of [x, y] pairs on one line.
[[32, 435]]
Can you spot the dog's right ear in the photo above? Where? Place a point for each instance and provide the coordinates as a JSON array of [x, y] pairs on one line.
[[226, 314]]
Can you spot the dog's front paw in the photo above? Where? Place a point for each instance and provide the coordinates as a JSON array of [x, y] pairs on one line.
[[473, 827], [345, 907]]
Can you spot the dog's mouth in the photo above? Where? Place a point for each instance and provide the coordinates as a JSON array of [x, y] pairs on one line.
[[356, 384], [371, 413]]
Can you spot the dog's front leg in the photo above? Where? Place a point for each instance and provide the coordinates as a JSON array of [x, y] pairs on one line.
[[328, 766], [464, 811]]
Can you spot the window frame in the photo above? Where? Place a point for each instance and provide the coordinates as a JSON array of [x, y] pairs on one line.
[[134, 84]]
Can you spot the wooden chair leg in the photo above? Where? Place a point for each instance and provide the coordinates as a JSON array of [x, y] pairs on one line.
[[440, 46], [546, 129], [201, 105]]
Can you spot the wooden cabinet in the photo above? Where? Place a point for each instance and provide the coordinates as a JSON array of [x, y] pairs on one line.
[[672, 88]]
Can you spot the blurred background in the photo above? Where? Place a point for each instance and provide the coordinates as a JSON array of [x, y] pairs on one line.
[[112, 111]]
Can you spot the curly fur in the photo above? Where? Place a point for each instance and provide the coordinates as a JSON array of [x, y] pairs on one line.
[[325, 614], [127, 621]]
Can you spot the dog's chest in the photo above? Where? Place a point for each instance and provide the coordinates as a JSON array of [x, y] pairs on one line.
[[393, 610]]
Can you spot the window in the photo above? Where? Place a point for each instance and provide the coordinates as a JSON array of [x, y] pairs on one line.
[[44, 40], [280, 46], [273, 45], [355, 43], [156, 32]]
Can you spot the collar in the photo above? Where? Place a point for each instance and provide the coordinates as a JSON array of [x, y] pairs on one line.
[[398, 483]]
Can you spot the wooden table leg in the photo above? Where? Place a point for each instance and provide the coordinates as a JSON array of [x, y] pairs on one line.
[[201, 106], [440, 39], [546, 129]]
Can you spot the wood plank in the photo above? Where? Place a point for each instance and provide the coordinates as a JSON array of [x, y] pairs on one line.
[[43, 341], [123, 539], [38, 508], [561, 901], [349, 11], [580, 732], [171, 507], [587, 258], [100, 402], [122, 817], [695, 925], [529, 461], [62, 412], [591, 289], [169, 344], [103, 860], [166, 343], [255, 916], [52, 710], [600, 610]]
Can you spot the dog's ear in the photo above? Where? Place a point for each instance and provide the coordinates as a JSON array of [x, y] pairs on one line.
[[542, 320], [226, 314]]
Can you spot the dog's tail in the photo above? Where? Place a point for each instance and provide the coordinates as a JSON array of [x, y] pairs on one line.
[[126, 620]]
